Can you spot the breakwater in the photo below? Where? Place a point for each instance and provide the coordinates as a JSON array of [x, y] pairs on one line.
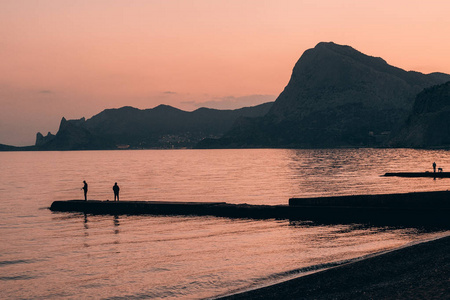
[[384, 209], [404, 201], [419, 174], [219, 209]]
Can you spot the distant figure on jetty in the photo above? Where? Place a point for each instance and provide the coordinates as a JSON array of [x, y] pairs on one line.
[[440, 170], [116, 190], [434, 167], [85, 188]]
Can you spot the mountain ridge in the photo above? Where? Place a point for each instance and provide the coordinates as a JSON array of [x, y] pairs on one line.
[[163, 126]]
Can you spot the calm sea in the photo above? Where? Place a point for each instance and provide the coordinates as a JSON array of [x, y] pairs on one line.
[[45, 255]]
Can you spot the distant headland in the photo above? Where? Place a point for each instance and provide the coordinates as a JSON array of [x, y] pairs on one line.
[[162, 127], [336, 97]]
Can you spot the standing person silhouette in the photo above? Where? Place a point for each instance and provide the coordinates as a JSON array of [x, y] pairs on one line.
[[434, 167], [85, 188], [116, 190]]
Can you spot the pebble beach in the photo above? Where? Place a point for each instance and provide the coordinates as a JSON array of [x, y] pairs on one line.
[[419, 271]]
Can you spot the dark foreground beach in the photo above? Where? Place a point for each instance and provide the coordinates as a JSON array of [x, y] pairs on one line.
[[420, 271]]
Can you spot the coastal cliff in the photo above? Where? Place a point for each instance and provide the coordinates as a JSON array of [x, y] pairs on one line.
[[428, 125]]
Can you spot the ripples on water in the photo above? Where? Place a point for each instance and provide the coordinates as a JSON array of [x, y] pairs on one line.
[[67, 255]]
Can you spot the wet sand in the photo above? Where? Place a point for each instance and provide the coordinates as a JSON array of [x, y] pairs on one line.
[[420, 271]]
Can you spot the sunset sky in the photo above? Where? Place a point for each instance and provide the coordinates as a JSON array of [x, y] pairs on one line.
[[75, 58]]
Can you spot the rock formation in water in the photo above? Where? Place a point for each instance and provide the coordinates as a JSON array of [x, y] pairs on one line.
[[161, 127], [428, 125], [336, 97]]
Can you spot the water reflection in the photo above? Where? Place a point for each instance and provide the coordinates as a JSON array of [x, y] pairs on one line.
[[329, 172], [86, 222], [86, 231], [374, 227], [116, 224], [97, 230]]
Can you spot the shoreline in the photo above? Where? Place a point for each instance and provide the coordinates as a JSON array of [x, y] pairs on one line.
[[418, 270]]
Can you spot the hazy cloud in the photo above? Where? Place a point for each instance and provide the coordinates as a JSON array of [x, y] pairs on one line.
[[45, 92], [193, 103], [232, 102], [170, 93]]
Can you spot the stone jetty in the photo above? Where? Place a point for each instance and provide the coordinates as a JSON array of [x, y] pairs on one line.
[[419, 174], [384, 209]]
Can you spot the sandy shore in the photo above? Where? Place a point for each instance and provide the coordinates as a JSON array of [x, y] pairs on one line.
[[420, 271]]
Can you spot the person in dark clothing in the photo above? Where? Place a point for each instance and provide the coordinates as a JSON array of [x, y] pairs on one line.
[[116, 190], [85, 188], [434, 167]]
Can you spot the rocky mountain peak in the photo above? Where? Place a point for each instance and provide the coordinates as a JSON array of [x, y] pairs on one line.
[[336, 97]]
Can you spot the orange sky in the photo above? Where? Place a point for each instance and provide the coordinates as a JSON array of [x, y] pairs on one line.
[[76, 58]]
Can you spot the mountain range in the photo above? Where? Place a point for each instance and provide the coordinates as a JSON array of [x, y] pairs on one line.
[[336, 97], [162, 127]]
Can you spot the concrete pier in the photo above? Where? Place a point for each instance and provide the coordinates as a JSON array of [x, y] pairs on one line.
[[405, 201], [424, 208], [406, 209], [220, 209], [420, 174]]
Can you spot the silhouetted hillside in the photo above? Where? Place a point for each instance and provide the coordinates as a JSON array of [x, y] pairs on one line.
[[160, 127], [428, 126], [14, 148], [73, 135], [336, 97]]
